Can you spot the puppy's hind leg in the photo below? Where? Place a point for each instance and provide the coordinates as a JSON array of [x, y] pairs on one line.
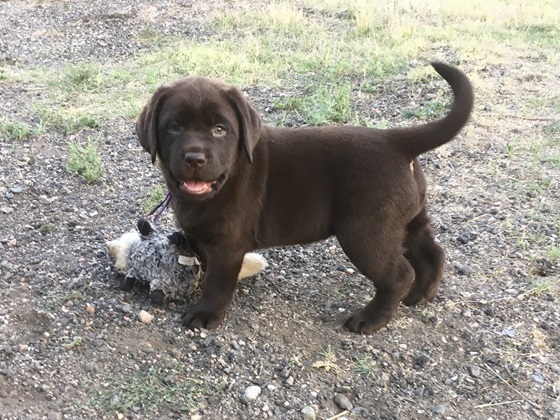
[[383, 263], [426, 257]]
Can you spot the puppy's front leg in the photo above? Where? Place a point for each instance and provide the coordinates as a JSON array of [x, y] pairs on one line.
[[220, 280]]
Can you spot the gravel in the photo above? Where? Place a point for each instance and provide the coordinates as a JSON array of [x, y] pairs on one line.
[[72, 345]]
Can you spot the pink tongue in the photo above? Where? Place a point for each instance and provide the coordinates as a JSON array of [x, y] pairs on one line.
[[197, 187]]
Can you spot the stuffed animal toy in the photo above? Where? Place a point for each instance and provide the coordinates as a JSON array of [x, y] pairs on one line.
[[167, 262]]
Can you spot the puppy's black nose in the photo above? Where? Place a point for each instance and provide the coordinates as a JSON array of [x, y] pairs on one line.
[[195, 159]]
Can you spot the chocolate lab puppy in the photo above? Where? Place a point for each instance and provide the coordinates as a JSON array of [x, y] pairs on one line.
[[239, 185]]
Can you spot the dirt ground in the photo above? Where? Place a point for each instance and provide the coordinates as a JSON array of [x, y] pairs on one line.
[[72, 345]]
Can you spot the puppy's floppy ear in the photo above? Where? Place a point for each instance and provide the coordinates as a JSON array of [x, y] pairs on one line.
[[147, 123], [249, 121]]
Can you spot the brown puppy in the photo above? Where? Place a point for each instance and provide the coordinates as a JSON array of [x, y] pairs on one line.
[[239, 185]]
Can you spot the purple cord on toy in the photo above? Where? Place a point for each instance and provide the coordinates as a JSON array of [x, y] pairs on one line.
[[164, 204]]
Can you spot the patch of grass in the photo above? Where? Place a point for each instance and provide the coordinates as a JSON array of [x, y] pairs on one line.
[[365, 365], [149, 35], [553, 158], [554, 253], [278, 17], [83, 77], [364, 21], [14, 130], [85, 161], [47, 228], [151, 390], [56, 300], [76, 342], [433, 109], [540, 287], [154, 197], [552, 129], [68, 120], [328, 361], [327, 104]]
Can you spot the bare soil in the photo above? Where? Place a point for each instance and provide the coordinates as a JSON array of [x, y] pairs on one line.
[[72, 345]]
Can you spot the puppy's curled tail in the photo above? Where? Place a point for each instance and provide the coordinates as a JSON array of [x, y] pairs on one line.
[[414, 141]]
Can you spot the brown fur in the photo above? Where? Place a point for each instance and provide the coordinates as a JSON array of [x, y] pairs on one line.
[[279, 186]]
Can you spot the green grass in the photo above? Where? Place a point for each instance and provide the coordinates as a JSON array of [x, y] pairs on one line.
[[540, 287], [85, 161], [47, 228], [55, 300], [357, 43], [154, 197], [329, 103], [14, 130], [365, 366], [151, 390], [554, 253], [433, 109]]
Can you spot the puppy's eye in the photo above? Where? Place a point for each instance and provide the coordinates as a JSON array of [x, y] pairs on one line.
[[174, 128], [218, 131]]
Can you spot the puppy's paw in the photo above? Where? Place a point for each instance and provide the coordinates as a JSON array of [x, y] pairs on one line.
[[198, 316], [418, 295], [362, 322]]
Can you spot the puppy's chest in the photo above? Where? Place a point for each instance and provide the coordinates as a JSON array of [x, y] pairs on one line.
[[204, 225]]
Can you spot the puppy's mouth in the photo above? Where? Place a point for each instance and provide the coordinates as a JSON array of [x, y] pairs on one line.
[[197, 187], [202, 189]]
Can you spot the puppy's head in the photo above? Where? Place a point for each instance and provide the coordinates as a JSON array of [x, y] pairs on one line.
[[199, 128]]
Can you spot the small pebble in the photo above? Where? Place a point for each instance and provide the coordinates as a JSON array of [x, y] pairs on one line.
[[474, 371], [90, 309], [439, 409], [537, 377], [252, 392], [308, 413], [422, 360], [343, 402], [145, 317], [290, 381], [553, 407]]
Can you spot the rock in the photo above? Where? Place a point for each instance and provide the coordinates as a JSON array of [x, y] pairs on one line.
[[343, 402], [439, 409], [290, 381], [553, 407], [90, 309], [252, 392], [537, 377], [308, 413], [488, 107], [422, 360], [145, 317], [343, 389], [474, 371], [463, 270], [16, 190]]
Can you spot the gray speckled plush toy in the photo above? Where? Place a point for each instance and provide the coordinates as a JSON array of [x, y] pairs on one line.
[[166, 262]]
